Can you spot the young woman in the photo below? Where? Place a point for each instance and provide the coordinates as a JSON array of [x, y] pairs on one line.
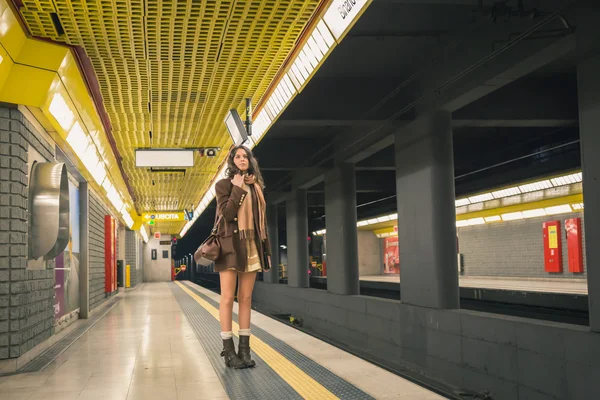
[[245, 248]]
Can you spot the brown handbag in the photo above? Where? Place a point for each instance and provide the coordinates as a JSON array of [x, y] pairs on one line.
[[211, 248]]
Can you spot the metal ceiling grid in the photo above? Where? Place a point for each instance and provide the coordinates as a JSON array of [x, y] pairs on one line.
[[174, 68]]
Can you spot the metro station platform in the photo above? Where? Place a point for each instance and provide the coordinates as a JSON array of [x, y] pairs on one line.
[[572, 286], [162, 342]]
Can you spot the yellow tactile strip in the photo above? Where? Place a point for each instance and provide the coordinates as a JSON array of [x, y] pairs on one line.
[[175, 67], [301, 382]]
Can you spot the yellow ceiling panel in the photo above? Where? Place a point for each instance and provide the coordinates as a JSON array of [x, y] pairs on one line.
[[174, 68]]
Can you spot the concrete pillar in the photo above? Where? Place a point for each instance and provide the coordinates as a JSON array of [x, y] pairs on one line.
[[273, 228], [297, 239], [588, 82], [342, 241], [84, 256], [426, 212]]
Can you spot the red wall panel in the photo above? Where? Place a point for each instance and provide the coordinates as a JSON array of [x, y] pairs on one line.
[[110, 254], [574, 243], [552, 247]]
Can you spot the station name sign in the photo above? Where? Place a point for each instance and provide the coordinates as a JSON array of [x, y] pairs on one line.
[[163, 216], [342, 13]]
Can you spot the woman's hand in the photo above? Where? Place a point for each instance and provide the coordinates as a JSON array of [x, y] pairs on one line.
[[238, 180]]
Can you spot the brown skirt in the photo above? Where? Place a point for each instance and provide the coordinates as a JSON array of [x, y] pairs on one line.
[[253, 263]]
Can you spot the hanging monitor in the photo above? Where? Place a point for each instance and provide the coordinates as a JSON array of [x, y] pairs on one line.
[[236, 128]]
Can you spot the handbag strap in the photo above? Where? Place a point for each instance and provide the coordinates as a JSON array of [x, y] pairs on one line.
[[218, 220]]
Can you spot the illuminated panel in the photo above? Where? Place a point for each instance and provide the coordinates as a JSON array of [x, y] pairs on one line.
[[164, 158]]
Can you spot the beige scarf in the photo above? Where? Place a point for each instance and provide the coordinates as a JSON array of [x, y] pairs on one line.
[[246, 214]]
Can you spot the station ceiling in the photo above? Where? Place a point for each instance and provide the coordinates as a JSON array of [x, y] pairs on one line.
[[174, 68], [168, 72]]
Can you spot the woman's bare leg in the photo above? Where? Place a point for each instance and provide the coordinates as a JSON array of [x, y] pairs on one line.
[[228, 280], [245, 288]]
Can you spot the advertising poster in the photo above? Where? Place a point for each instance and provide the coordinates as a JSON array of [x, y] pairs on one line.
[[391, 256], [66, 287]]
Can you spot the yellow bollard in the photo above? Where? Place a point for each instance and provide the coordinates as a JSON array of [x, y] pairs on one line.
[[127, 276]]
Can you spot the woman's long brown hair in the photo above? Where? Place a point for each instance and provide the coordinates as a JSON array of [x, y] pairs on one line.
[[252, 167]]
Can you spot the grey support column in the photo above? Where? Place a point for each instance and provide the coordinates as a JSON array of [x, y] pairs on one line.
[[273, 228], [588, 82], [297, 238], [342, 241], [426, 212], [84, 262]]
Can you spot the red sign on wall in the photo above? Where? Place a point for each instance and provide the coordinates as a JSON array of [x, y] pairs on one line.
[[574, 244], [552, 247], [110, 254], [391, 256]]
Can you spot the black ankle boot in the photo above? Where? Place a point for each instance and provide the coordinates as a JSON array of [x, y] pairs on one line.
[[231, 358], [244, 351]]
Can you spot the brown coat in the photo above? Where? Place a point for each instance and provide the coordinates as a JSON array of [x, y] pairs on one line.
[[233, 251]]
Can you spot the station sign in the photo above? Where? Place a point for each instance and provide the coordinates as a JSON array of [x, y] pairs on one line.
[[341, 14], [163, 216]]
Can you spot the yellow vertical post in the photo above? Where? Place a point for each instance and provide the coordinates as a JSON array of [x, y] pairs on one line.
[[127, 276]]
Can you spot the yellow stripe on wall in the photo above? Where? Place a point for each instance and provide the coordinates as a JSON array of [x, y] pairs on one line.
[[302, 383]]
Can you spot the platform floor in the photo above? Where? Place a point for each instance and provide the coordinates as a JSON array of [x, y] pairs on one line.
[[149, 346], [574, 286]]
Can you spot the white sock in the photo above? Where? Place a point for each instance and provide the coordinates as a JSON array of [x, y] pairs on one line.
[[244, 332], [226, 335]]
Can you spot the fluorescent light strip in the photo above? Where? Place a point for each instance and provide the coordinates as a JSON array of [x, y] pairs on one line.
[[288, 83], [325, 33], [565, 208], [284, 92], [512, 216], [305, 62], [127, 218], [462, 202], [481, 198], [61, 112], [320, 42], [78, 140], [300, 71], [495, 218], [522, 189], [144, 233], [280, 96], [276, 105], [539, 212], [312, 59], [476, 221], [294, 78], [506, 192], [567, 179], [314, 48], [532, 187]]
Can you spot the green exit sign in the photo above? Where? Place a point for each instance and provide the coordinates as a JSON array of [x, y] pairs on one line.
[[151, 222]]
